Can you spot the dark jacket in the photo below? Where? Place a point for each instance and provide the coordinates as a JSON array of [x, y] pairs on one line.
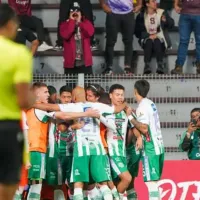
[[67, 32], [141, 30], [191, 145]]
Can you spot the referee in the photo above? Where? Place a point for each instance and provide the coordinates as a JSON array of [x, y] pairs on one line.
[[15, 77]]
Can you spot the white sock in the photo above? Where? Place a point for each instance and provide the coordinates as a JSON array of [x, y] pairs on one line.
[[95, 194], [115, 193], [59, 195], [131, 194], [106, 192], [34, 192], [78, 194], [153, 190], [121, 196]]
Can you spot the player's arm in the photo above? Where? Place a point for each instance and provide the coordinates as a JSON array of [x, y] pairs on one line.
[[141, 123], [75, 115], [108, 123], [22, 79], [46, 106]]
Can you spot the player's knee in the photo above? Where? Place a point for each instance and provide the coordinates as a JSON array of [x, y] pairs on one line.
[[127, 178]]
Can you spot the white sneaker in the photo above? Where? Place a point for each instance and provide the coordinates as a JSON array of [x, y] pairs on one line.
[[44, 47]]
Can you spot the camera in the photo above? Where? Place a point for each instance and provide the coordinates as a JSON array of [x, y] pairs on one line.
[[194, 121]]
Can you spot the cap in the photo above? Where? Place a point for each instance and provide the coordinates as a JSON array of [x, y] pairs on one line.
[[75, 7]]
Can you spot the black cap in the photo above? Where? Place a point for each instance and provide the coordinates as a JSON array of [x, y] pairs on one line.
[[75, 7]]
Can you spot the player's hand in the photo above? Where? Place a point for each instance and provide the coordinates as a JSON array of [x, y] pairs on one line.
[[139, 143], [163, 18], [177, 8], [92, 113], [106, 8], [137, 8], [191, 128], [28, 165], [78, 125], [128, 110], [153, 36]]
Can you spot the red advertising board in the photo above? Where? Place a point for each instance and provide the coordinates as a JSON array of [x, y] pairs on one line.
[[180, 181]]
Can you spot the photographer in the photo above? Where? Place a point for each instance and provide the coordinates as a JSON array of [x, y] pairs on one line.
[[190, 140], [77, 32]]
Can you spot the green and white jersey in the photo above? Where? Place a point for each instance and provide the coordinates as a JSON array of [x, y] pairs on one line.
[[147, 113], [66, 143], [117, 139], [88, 140], [53, 139]]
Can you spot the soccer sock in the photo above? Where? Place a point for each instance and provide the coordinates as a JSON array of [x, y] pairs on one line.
[[18, 195], [121, 196], [153, 190], [34, 192], [78, 194], [59, 195], [94, 194], [106, 192], [71, 196], [85, 195], [115, 193], [131, 194]]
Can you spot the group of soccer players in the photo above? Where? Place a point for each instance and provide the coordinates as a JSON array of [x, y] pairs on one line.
[[94, 144]]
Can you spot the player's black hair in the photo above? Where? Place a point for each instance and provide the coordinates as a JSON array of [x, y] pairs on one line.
[[142, 87], [116, 87], [194, 110], [52, 90], [105, 98], [6, 14], [96, 89], [65, 88]]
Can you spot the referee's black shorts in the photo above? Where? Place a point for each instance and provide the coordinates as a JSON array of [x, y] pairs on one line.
[[11, 151]]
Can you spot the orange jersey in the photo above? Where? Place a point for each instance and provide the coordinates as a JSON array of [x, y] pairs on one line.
[[103, 130], [37, 121]]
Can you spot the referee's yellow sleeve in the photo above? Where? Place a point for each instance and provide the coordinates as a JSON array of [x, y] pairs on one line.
[[24, 66]]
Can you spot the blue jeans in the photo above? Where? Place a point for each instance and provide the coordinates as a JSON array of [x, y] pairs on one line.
[[187, 25]]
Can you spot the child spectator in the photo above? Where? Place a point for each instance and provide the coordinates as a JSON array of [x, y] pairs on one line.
[[77, 32], [27, 20], [151, 29]]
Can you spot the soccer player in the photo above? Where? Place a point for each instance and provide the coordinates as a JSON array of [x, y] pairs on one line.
[[53, 97], [37, 138], [15, 76], [117, 141], [88, 148], [148, 124]]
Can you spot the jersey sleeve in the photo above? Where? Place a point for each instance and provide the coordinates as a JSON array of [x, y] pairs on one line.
[[23, 66], [103, 108], [142, 115], [70, 107], [43, 116]]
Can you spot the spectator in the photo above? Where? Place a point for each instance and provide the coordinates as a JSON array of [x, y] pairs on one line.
[[151, 29], [120, 17], [77, 32], [189, 22], [86, 8], [190, 140], [166, 4], [27, 20], [25, 34]]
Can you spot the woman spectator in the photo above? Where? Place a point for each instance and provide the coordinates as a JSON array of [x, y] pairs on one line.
[[77, 32], [151, 29]]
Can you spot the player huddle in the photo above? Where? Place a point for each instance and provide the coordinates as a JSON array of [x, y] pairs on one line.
[[94, 144]]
